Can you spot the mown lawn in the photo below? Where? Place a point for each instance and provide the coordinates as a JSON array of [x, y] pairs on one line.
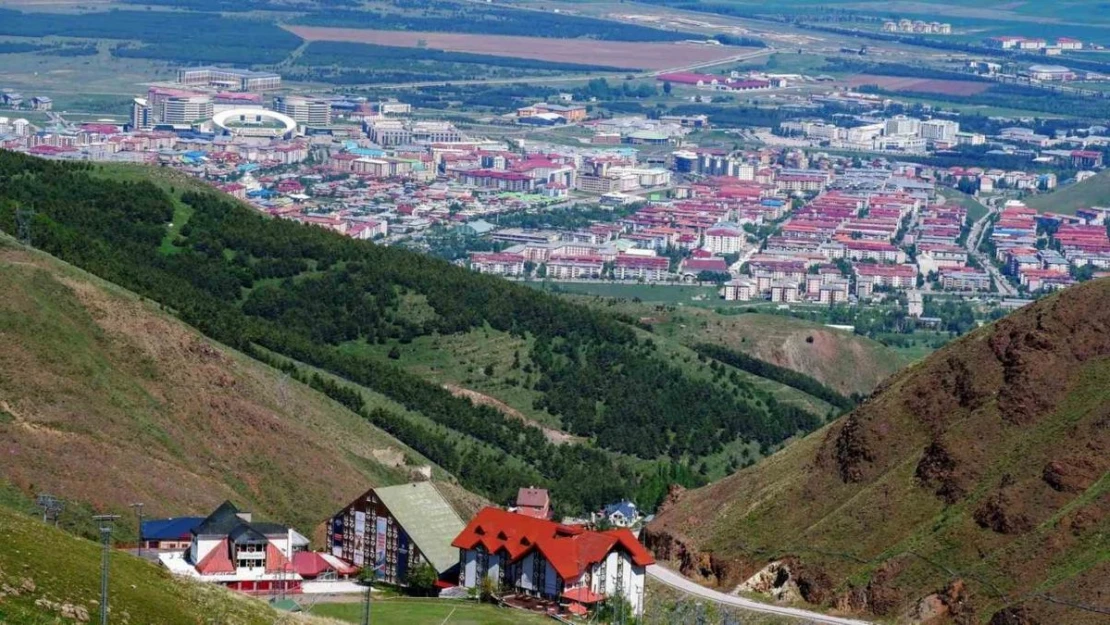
[[408, 611]]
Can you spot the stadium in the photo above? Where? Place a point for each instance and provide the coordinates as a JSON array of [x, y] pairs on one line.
[[254, 122]]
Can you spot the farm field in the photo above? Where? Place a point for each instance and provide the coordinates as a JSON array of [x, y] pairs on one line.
[[647, 55], [920, 85]]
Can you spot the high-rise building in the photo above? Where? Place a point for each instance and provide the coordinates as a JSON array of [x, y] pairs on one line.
[[902, 125], [305, 110], [186, 109], [141, 118], [939, 130]]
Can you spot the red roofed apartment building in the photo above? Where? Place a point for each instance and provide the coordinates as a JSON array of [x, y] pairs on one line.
[[559, 562]]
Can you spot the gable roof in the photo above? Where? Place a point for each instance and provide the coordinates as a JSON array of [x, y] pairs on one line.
[[570, 549], [222, 520], [217, 561], [533, 497], [427, 518], [276, 560]]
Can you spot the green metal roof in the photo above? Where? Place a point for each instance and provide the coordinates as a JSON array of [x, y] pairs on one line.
[[427, 518]]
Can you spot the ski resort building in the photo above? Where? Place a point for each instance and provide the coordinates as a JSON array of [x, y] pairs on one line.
[[396, 529], [231, 549], [542, 558]]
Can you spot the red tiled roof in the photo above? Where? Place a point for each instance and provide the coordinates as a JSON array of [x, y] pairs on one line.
[[217, 561], [569, 549], [312, 564], [582, 594]]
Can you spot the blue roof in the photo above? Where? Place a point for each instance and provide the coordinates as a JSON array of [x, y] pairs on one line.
[[169, 529], [626, 508]]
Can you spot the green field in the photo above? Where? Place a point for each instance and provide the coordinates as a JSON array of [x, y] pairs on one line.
[[975, 210], [1067, 199], [409, 611]]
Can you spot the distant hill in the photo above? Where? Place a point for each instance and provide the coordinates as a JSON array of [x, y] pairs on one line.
[[846, 362], [106, 400], [1094, 191], [50, 576], [972, 486]]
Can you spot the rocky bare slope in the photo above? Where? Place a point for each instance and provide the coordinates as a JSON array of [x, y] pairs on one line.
[[971, 487]]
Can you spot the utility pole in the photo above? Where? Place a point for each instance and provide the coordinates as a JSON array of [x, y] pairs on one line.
[[105, 521], [368, 577], [138, 507]]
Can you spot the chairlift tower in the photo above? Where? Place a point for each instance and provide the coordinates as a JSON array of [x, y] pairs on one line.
[[51, 507], [105, 521], [24, 217]]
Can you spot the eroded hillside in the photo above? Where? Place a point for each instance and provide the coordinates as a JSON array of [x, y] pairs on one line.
[[106, 400], [972, 486]]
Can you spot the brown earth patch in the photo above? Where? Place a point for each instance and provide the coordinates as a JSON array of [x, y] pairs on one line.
[[647, 56], [558, 437], [999, 513], [1016, 615], [1071, 475], [919, 85]]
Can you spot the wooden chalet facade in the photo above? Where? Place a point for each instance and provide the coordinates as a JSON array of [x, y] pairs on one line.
[[395, 529]]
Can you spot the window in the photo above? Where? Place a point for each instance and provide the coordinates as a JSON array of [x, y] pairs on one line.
[[620, 574]]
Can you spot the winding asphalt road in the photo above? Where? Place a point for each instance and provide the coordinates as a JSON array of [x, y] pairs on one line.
[[975, 238], [674, 580]]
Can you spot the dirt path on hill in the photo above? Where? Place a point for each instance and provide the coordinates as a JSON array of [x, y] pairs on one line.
[[555, 436]]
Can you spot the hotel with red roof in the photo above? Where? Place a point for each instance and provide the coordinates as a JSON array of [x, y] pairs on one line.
[[546, 559]]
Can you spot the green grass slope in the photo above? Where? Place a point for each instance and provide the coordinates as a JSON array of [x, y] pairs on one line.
[[106, 400], [973, 484], [50, 576], [1094, 191]]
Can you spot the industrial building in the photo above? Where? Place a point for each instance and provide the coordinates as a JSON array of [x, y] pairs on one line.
[[228, 78]]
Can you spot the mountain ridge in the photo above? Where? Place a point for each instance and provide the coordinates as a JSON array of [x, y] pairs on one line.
[[970, 483], [106, 400]]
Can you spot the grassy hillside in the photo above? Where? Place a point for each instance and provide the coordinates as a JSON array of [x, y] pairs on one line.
[[1093, 191], [846, 362], [333, 312], [974, 482], [50, 576], [106, 400]]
